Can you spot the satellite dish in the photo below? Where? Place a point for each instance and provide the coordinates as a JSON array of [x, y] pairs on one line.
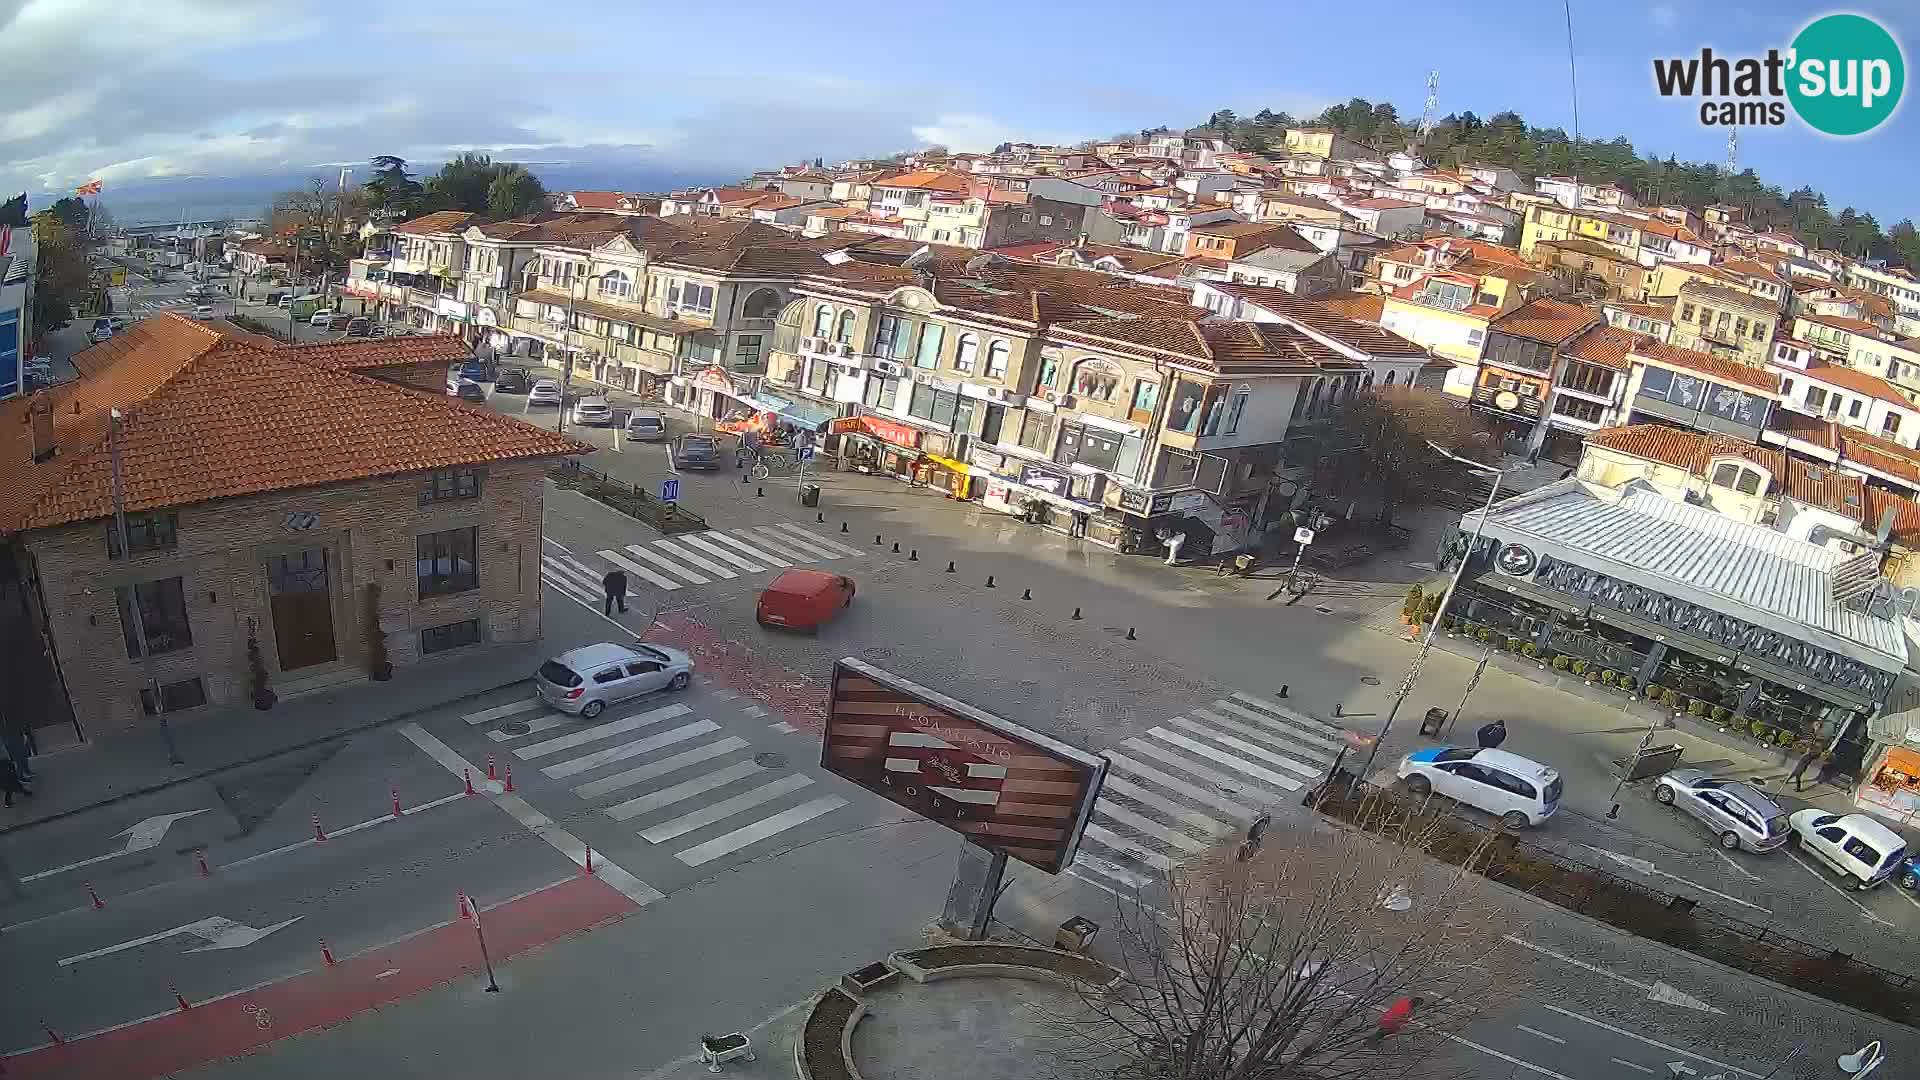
[[923, 257]]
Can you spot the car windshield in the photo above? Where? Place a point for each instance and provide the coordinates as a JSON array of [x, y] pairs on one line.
[[1553, 792], [698, 442], [1708, 783], [651, 654], [1777, 825], [559, 674], [1458, 753]]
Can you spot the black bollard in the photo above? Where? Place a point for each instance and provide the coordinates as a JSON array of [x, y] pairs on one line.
[[1026, 594], [896, 547], [914, 555], [760, 492], [876, 539], [1336, 708], [990, 581], [1283, 691], [745, 479], [1130, 636], [843, 526], [1076, 614], [950, 566], [820, 519]]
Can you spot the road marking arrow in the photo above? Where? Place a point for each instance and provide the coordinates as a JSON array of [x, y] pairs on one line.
[[218, 933], [141, 835], [1655, 991], [1646, 867]]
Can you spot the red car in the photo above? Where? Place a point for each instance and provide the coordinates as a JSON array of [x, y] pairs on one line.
[[804, 599]]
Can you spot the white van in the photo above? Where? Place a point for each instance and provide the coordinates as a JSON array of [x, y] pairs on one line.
[[1856, 847], [1519, 791]]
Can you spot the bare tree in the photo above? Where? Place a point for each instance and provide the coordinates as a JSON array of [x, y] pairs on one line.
[[320, 212], [1378, 442], [1280, 967]]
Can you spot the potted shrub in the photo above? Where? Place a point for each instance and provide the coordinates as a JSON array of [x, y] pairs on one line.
[[263, 696], [1580, 668], [1784, 737], [1696, 707], [1759, 730], [378, 664], [1430, 610], [1410, 610], [1607, 676], [1448, 624], [1530, 651], [1627, 683], [1561, 663], [1485, 634], [1655, 691], [1721, 714]]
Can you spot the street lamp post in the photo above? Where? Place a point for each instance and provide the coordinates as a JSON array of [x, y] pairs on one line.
[[1426, 643]]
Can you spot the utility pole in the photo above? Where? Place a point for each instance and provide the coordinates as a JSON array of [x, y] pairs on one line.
[[133, 589]]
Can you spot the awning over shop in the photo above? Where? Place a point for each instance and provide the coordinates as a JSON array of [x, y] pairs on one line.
[[948, 463], [806, 414]]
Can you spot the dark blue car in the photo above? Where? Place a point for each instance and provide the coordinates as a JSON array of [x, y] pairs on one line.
[[475, 370]]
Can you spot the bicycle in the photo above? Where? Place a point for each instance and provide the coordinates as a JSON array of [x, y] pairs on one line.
[[763, 464]]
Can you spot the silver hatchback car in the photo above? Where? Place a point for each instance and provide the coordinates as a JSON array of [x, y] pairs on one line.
[[584, 681], [1737, 812]]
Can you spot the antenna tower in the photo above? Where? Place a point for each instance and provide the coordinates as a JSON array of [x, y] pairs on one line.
[[1431, 114], [1733, 163]]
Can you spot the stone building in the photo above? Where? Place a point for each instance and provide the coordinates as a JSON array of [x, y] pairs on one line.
[[267, 491]]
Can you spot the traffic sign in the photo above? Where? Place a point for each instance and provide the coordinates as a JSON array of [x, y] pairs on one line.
[[806, 453], [1303, 535], [669, 490]]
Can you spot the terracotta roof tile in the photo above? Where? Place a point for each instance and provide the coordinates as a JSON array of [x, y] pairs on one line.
[[1366, 307], [1879, 454], [1906, 515], [1709, 365], [381, 352], [1325, 319], [1604, 345], [211, 418], [443, 221], [1860, 382], [1546, 320], [1689, 450], [1843, 322], [1808, 429], [1825, 486]]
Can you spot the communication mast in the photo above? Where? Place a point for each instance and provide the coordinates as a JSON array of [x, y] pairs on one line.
[[1733, 164], [1431, 114]]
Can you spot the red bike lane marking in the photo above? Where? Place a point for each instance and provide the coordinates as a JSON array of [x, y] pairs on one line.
[[799, 699], [241, 1023]]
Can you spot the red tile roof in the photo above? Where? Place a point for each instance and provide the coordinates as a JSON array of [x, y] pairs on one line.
[[1860, 382], [207, 417], [1709, 365], [1604, 345], [1808, 429], [1366, 307], [1546, 320], [1880, 454], [1324, 319], [381, 352], [1689, 450], [443, 221], [1906, 515], [927, 180]]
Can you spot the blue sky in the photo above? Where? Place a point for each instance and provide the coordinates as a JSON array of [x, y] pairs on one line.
[[239, 87]]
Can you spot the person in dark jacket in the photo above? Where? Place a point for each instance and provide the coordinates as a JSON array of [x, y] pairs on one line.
[[19, 750], [1493, 734], [615, 583], [10, 781], [1799, 773]]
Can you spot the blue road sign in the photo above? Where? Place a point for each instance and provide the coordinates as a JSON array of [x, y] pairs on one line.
[[806, 453], [669, 490]]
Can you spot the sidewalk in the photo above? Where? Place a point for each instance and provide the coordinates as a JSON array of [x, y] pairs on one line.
[[120, 766]]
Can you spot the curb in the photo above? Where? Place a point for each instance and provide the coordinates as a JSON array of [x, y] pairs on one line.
[[256, 759]]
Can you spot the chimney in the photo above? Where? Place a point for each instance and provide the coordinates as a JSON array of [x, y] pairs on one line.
[[40, 419]]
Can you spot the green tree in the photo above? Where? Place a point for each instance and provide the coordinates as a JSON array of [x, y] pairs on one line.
[[14, 211], [514, 192], [61, 275], [391, 190], [461, 184], [71, 211]]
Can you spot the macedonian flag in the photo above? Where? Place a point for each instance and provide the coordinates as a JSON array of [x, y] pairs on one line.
[[91, 187]]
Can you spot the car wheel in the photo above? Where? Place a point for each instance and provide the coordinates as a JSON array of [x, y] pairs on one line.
[[681, 680], [592, 709], [1418, 784], [1663, 795], [1515, 820], [1730, 840]]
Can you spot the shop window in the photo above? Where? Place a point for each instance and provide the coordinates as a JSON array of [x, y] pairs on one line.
[[145, 533], [1095, 380], [1049, 369], [1183, 412], [435, 639], [1236, 408], [163, 615], [1146, 395], [1036, 432], [175, 696], [450, 485], [763, 304], [448, 562], [933, 406]]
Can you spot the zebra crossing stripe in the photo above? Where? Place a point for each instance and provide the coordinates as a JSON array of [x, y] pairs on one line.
[[1285, 783], [785, 545], [1286, 720], [1111, 871], [1105, 837], [1148, 827], [1120, 785], [501, 712], [667, 564], [534, 727], [648, 745], [1310, 771], [638, 571], [725, 808], [745, 549], [554, 578], [1292, 740], [814, 538], [665, 765], [1173, 783], [701, 784], [759, 830], [598, 732], [564, 570], [708, 565], [700, 541], [1188, 765]]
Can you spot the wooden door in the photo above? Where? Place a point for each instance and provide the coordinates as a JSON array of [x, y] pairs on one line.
[[302, 608]]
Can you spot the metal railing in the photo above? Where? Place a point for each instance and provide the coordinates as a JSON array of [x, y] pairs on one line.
[[1639, 909], [669, 518]]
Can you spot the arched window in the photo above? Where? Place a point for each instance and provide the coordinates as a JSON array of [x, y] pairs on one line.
[[997, 360], [965, 353], [843, 333], [822, 321], [762, 304], [1095, 379], [616, 284], [1390, 377]]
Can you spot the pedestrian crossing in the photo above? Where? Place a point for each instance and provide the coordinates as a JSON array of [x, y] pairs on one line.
[[1195, 780], [690, 559], [686, 785]]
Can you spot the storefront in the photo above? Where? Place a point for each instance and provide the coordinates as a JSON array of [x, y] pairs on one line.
[[873, 444], [1730, 623], [1045, 493], [714, 394]]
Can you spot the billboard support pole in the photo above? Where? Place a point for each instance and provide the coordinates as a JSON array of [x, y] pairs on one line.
[[976, 887]]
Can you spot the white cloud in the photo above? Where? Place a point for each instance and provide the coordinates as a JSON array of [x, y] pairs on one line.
[[973, 132], [1664, 16]]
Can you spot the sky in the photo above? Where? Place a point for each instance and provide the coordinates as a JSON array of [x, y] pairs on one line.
[[169, 88]]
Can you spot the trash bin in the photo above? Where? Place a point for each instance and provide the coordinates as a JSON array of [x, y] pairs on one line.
[[1431, 723], [810, 495], [1076, 934]]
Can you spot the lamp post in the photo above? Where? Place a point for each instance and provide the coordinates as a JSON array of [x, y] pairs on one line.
[[1426, 643]]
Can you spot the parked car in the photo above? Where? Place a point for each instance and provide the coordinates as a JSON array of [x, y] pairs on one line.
[[475, 370], [1519, 791], [359, 326], [693, 451], [203, 311], [101, 330], [584, 681], [1855, 846], [544, 392], [646, 427], [466, 390], [286, 300], [322, 319], [804, 599], [273, 299], [1737, 812], [593, 412], [512, 380]]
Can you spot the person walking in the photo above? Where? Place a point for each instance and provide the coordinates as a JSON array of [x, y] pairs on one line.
[[1079, 527], [1174, 540], [1394, 1020], [615, 583], [1492, 734], [1799, 774], [10, 781], [18, 751]]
